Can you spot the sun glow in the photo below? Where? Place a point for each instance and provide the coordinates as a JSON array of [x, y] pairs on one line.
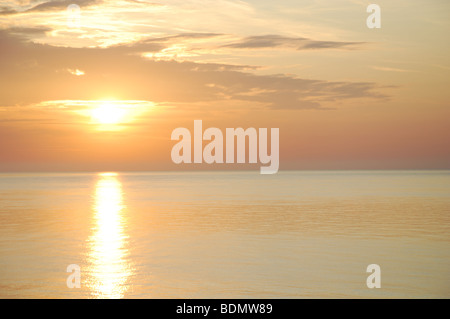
[[109, 113], [103, 115]]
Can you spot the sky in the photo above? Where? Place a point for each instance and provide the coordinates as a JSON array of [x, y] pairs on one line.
[[103, 90]]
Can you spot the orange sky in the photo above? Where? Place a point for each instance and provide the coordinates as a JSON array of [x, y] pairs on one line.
[[344, 96]]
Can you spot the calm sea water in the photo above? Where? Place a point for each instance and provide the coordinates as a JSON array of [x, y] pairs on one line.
[[225, 234]]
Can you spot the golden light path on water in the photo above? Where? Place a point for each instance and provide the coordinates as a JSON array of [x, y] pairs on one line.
[[109, 269]]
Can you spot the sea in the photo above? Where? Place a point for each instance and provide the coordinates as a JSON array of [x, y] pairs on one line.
[[225, 234]]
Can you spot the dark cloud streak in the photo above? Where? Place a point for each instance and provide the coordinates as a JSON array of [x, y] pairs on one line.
[[50, 6], [277, 41]]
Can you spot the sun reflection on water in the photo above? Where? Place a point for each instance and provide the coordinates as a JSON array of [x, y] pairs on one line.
[[108, 255]]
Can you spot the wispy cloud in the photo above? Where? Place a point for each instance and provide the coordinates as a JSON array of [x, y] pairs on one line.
[[299, 43], [387, 69], [113, 71], [75, 72], [54, 5]]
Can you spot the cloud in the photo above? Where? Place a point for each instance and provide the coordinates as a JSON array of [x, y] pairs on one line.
[[159, 43], [30, 74], [7, 10], [187, 36], [57, 5], [29, 32], [278, 41], [381, 68], [76, 72], [50, 6]]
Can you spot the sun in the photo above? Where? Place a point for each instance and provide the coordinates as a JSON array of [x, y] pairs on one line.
[[109, 113]]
